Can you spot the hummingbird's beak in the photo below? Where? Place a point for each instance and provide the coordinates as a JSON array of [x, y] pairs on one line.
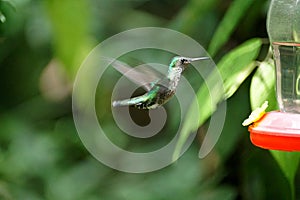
[[196, 59]]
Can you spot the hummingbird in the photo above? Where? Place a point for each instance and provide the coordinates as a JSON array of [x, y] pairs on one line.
[[158, 90]]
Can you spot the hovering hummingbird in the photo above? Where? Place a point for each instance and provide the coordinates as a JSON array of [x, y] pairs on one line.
[[159, 90]]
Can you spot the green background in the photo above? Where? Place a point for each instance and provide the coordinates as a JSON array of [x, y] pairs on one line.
[[43, 43]]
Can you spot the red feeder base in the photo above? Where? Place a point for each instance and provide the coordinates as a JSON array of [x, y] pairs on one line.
[[277, 131]]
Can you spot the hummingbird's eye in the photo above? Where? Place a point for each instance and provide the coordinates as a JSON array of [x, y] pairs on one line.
[[183, 61]]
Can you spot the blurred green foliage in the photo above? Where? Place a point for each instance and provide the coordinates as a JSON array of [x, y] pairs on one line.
[[42, 44]]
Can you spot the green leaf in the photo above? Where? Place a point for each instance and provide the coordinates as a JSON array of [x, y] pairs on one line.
[[192, 13], [263, 86], [2, 17], [70, 22], [8, 2], [288, 162], [231, 19], [232, 70], [76, 182]]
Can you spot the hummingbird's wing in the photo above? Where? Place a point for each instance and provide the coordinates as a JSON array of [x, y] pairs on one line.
[[142, 75]]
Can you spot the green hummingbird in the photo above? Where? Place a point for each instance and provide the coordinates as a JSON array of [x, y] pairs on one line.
[[159, 90]]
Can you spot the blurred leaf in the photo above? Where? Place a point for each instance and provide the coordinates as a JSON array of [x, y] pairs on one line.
[[135, 19], [77, 182], [288, 162], [197, 185], [234, 68], [194, 11], [10, 2], [232, 84], [224, 193], [237, 65], [169, 180], [2, 17], [259, 172], [263, 86], [29, 153], [5, 193], [232, 17], [232, 128], [70, 31]]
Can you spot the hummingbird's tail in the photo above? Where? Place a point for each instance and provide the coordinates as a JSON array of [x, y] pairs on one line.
[[125, 102], [131, 101]]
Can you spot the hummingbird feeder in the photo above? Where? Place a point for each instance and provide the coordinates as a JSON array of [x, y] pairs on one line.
[[280, 130]]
